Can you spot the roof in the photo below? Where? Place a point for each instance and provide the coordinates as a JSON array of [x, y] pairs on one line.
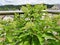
[[22, 2]]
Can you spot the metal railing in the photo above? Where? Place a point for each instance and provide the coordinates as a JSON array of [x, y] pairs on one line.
[[20, 11]]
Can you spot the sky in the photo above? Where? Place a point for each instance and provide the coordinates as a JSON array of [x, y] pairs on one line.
[[20, 2]]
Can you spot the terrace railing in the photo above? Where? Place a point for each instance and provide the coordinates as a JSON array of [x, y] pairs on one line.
[[20, 11]]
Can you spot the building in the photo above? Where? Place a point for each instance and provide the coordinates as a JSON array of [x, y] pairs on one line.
[[56, 7]]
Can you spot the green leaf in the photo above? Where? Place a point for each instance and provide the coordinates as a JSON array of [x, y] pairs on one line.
[[10, 38], [40, 39], [26, 43]]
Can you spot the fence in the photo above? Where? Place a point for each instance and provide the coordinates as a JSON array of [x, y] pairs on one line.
[[19, 11], [4, 13]]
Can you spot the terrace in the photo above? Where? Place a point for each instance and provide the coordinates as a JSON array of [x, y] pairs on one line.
[[9, 7]]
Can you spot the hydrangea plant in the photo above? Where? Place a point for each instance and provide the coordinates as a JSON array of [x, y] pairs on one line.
[[34, 27]]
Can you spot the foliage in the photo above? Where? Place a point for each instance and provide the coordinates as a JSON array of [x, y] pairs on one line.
[[9, 7], [34, 27]]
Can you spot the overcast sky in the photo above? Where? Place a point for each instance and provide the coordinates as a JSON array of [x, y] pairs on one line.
[[19, 2]]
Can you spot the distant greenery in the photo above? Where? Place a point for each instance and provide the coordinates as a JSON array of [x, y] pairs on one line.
[[34, 27], [9, 7]]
